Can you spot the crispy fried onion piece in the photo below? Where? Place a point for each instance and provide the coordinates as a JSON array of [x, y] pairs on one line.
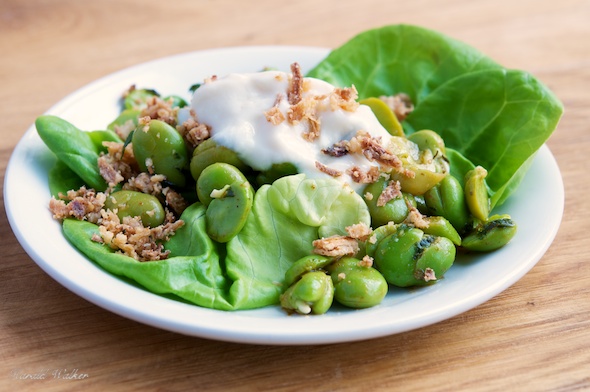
[[193, 132], [344, 98], [295, 89], [401, 104], [415, 218], [274, 114], [393, 190], [132, 239], [336, 246], [363, 176], [329, 171], [83, 204], [340, 245]]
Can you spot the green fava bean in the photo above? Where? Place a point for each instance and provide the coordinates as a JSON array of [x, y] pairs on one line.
[[128, 117], [304, 265], [209, 152], [394, 210], [313, 293], [161, 147], [378, 234], [476, 193], [228, 196], [447, 199], [132, 203], [357, 285], [385, 115], [410, 257], [137, 98], [429, 140], [437, 225], [491, 235]]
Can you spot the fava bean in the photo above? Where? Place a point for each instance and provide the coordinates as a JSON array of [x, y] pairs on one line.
[[357, 285], [304, 265], [409, 257], [160, 146], [476, 193], [312, 293], [491, 235], [228, 196], [131, 203], [395, 210], [209, 152], [384, 114], [447, 199]]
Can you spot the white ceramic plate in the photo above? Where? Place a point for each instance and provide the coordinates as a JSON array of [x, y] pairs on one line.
[[467, 284]]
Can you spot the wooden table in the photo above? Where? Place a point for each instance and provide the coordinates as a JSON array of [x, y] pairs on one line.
[[533, 336]]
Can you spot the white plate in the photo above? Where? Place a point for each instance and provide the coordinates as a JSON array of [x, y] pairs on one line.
[[467, 284]]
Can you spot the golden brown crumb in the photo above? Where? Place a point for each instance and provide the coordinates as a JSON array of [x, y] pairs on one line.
[[391, 191], [359, 231], [401, 104], [123, 130], [366, 262], [145, 183], [429, 275], [193, 132], [83, 204], [344, 98], [159, 109], [336, 246], [363, 177], [274, 114], [295, 85], [368, 196], [337, 150], [323, 168], [415, 218], [175, 200]]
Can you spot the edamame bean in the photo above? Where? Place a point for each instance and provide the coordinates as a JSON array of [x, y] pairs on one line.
[[409, 257], [228, 196], [161, 147], [357, 285], [132, 203]]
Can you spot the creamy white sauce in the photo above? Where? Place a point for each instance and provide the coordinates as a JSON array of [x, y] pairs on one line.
[[234, 108]]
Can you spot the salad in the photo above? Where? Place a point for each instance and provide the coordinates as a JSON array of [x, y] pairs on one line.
[[380, 200]]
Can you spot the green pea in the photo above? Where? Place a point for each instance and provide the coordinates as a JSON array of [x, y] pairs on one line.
[[313, 293], [447, 199], [355, 285], [132, 203], [409, 257], [137, 98], [385, 115], [395, 210], [476, 193], [161, 147], [490, 235], [228, 196], [209, 152], [304, 265]]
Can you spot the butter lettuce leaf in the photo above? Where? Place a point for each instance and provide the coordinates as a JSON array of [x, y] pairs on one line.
[[248, 271], [492, 116]]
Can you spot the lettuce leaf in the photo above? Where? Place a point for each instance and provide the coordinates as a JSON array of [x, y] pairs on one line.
[[492, 116], [248, 271]]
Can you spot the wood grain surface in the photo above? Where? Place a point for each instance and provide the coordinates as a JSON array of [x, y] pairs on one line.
[[534, 336]]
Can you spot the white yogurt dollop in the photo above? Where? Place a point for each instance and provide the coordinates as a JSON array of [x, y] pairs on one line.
[[234, 108]]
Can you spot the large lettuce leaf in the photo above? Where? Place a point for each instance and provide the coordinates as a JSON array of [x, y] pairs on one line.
[[492, 116], [248, 272]]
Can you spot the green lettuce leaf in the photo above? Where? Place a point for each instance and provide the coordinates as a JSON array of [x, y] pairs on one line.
[[492, 116], [248, 271]]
